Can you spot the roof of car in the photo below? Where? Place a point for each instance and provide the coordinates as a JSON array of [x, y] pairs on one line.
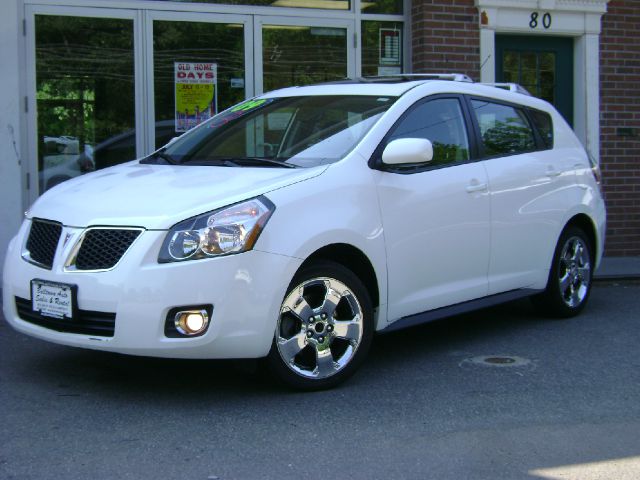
[[392, 85], [348, 87]]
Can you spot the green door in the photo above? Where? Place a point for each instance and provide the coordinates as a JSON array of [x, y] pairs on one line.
[[543, 65]]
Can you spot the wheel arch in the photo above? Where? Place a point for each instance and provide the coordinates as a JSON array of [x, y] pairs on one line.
[[355, 260], [586, 224]]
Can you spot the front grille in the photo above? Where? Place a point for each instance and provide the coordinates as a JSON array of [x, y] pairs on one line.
[[43, 241], [102, 248], [100, 324]]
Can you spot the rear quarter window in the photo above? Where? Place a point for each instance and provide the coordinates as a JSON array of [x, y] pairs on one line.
[[504, 129], [544, 125]]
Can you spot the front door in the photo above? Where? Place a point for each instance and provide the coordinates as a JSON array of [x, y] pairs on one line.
[[435, 219], [543, 65]]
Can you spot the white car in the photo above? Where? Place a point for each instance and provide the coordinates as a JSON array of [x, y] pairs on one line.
[[295, 225]]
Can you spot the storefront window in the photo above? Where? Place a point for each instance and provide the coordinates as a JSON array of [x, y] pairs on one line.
[[381, 48], [199, 70], [382, 6], [82, 65], [300, 55], [327, 4]]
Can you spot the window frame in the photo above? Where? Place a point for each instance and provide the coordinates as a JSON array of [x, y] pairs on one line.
[[537, 139], [542, 146], [376, 163]]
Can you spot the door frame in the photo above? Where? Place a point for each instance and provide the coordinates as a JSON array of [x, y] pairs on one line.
[[260, 20], [561, 46], [149, 17], [31, 165], [578, 20]]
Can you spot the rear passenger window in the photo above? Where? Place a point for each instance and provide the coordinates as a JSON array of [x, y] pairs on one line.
[[441, 122], [542, 122], [504, 129]]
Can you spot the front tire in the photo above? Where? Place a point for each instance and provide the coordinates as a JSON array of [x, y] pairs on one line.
[[570, 277], [324, 329]]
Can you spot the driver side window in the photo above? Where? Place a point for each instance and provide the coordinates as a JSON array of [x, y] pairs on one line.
[[440, 121]]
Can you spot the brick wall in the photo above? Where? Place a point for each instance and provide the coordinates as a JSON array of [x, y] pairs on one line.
[[445, 37], [619, 118]]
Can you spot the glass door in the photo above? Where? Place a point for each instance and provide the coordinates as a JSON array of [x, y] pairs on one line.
[[83, 60], [197, 67], [299, 52], [107, 85]]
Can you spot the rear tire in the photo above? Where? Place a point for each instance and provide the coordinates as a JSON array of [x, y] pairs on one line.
[[570, 277], [324, 329]]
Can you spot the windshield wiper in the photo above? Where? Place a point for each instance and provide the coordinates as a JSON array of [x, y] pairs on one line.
[[160, 154], [238, 162], [262, 160]]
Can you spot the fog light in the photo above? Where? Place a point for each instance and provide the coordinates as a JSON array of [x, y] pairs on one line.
[[191, 322]]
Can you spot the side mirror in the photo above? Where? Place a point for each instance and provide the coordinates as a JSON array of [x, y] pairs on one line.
[[408, 150]]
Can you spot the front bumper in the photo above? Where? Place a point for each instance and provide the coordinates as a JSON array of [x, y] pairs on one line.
[[246, 291]]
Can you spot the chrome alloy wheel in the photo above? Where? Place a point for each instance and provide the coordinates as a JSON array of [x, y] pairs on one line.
[[574, 272], [320, 328]]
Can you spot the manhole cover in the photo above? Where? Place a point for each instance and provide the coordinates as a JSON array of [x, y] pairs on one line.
[[497, 361], [500, 360]]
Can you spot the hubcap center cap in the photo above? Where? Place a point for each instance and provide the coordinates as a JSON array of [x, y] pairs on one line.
[[319, 327]]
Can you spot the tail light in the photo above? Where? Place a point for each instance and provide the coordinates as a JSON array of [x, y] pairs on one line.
[[597, 173]]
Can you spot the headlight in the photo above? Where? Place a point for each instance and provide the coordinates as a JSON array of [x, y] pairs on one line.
[[229, 230]]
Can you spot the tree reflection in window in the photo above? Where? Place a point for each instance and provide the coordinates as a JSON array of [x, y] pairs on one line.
[[504, 129]]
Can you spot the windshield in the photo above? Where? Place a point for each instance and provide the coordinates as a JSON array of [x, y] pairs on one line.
[[286, 131]]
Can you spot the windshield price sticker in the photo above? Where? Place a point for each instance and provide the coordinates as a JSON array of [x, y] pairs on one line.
[[52, 299]]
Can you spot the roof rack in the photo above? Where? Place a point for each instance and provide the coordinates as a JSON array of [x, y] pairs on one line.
[[512, 87], [456, 77]]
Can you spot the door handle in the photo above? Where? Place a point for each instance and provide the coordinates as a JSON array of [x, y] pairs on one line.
[[552, 172], [476, 186]]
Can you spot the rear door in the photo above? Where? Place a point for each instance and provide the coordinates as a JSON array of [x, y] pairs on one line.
[[530, 191]]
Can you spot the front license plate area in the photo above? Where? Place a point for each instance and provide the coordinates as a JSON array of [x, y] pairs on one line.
[[52, 299]]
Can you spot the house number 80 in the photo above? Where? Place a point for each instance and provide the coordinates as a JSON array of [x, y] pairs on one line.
[[546, 20]]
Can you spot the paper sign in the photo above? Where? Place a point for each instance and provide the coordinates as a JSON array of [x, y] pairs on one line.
[[390, 51], [196, 93]]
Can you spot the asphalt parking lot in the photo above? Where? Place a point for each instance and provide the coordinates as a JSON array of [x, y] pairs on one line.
[[496, 394]]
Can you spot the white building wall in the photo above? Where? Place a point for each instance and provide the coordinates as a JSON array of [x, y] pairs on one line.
[[11, 179]]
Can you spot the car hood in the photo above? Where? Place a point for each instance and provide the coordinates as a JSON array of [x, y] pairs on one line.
[[158, 196]]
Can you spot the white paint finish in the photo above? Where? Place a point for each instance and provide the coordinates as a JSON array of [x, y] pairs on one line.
[[487, 55], [529, 197], [580, 98], [11, 128], [408, 150], [162, 195], [593, 6], [246, 301], [586, 93], [562, 23], [436, 235], [592, 90]]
